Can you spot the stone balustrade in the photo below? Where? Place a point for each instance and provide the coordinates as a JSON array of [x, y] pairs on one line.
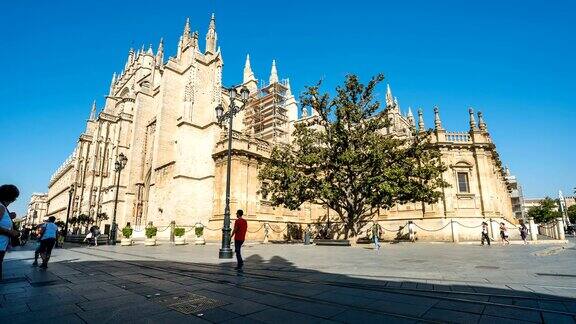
[[458, 137], [63, 167]]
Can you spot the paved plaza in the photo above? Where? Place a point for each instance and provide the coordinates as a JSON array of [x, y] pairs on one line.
[[293, 284]]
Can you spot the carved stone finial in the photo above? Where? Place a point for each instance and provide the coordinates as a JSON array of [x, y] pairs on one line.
[[481, 123], [437, 121], [421, 126], [472, 119]]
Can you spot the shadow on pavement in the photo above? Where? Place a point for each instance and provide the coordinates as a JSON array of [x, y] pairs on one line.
[[272, 291]]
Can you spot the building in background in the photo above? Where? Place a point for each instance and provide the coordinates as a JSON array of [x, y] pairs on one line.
[[160, 113], [516, 195], [37, 209]]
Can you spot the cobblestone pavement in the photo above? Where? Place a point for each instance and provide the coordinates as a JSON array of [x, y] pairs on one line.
[[293, 284]]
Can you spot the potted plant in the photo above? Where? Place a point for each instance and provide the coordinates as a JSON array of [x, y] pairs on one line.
[[199, 231], [127, 236], [151, 232], [179, 236]]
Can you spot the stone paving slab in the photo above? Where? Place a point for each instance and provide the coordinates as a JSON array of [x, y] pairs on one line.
[[281, 284]]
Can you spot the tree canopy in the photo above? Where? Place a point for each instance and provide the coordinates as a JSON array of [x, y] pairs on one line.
[[571, 211], [343, 159], [545, 212]]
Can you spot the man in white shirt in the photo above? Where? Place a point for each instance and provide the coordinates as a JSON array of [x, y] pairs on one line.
[[48, 236]]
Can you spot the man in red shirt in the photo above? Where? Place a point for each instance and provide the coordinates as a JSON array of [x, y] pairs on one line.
[[240, 228]]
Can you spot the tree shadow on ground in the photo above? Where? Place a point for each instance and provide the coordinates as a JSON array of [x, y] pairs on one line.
[[272, 291]]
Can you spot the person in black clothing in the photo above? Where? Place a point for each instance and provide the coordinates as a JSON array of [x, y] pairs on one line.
[[485, 236]]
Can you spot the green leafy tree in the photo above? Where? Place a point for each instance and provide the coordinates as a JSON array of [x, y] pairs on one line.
[[545, 212], [571, 211], [73, 220], [346, 161], [100, 217], [84, 220]]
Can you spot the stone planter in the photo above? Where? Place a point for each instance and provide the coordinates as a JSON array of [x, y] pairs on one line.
[[150, 241], [199, 231], [126, 242], [199, 240], [179, 240]]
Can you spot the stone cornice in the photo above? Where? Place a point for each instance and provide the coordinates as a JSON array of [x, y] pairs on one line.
[[56, 211], [85, 138], [108, 117], [165, 165], [192, 178], [187, 123], [125, 116], [221, 155]]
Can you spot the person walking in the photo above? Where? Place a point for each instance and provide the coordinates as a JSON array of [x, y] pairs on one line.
[[239, 235], [38, 237], [504, 233], [89, 236], [485, 236], [8, 195], [25, 235], [96, 235], [375, 236], [523, 231], [48, 239]]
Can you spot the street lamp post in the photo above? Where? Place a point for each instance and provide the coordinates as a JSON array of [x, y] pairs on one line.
[[225, 251], [118, 166], [70, 193]]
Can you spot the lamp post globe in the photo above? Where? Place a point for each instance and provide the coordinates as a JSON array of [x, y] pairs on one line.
[[219, 111], [232, 93], [244, 93]]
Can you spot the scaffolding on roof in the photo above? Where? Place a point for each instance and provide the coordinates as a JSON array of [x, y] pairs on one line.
[[266, 117]]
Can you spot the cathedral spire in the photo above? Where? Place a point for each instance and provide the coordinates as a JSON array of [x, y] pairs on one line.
[[180, 47], [160, 52], [273, 73], [389, 98], [130, 59], [150, 51], [472, 120], [195, 40], [93, 111], [288, 88], [112, 84], [481, 123], [186, 32], [437, 121], [421, 127], [248, 74], [304, 112], [411, 120], [211, 36]]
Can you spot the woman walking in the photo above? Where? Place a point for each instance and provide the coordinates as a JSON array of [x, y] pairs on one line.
[[523, 231], [504, 233], [8, 194]]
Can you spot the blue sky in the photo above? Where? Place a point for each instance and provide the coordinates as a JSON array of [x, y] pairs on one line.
[[514, 60]]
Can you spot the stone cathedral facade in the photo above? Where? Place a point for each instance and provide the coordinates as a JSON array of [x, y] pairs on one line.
[[160, 113]]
